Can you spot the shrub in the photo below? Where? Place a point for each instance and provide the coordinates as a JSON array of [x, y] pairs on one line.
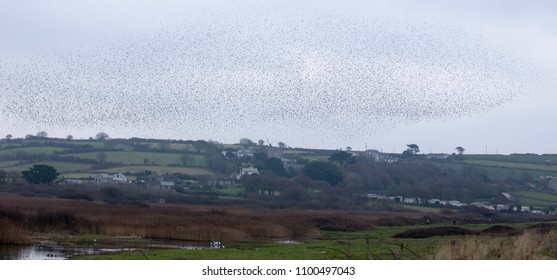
[[435, 231], [112, 192]]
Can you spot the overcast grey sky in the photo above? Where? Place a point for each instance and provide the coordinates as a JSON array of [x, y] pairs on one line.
[[320, 74]]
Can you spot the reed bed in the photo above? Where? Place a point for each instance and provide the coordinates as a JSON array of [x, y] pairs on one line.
[[12, 234], [180, 222], [530, 245]]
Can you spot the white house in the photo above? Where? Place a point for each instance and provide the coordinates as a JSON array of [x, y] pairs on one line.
[[248, 171], [457, 203], [436, 201], [437, 156], [119, 178], [167, 184], [374, 154], [501, 207], [245, 153], [104, 178]]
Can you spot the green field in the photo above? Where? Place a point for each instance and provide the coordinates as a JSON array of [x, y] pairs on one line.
[[520, 158], [137, 158], [8, 163], [60, 166], [316, 158], [31, 151], [422, 208], [536, 199], [120, 152], [235, 191], [330, 245], [375, 244], [158, 169], [497, 172], [173, 146], [515, 165]]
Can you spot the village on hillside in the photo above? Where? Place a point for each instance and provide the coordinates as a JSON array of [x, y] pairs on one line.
[[213, 168]]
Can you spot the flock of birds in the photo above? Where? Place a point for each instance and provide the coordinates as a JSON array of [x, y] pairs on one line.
[[328, 74]]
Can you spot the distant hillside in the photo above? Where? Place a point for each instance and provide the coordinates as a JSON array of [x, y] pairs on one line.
[[83, 159], [195, 171]]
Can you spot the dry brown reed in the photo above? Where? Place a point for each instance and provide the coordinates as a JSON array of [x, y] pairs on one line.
[[180, 222], [13, 234], [531, 245]]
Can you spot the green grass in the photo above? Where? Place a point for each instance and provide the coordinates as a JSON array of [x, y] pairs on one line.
[[316, 158], [173, 146], [158, 169], [80, 175], [330, 246], [233, 190], [520, 158], [96, 144], [515, 165], [422, 208], [60, 166], [374, 244], [496, 172], [536, 199], [31, 151], [8, 163], [138, 158]]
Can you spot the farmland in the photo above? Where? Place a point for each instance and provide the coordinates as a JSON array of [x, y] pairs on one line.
[[85, 158], [537, 199], [512, 165]]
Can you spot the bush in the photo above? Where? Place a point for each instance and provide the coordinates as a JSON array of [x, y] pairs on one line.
[[436, 231], [112, 192]]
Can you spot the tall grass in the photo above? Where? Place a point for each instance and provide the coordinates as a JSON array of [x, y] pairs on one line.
[[12, 233], [193, 223], [531, 245]]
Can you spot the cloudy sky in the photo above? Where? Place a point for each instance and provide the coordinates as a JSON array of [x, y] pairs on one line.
[[320, 74]]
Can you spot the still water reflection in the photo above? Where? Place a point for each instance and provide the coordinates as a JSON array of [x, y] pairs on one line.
[[47, 250]]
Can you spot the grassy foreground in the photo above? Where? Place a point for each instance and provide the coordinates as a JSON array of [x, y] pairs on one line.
[[522, 241], [375, 244]]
